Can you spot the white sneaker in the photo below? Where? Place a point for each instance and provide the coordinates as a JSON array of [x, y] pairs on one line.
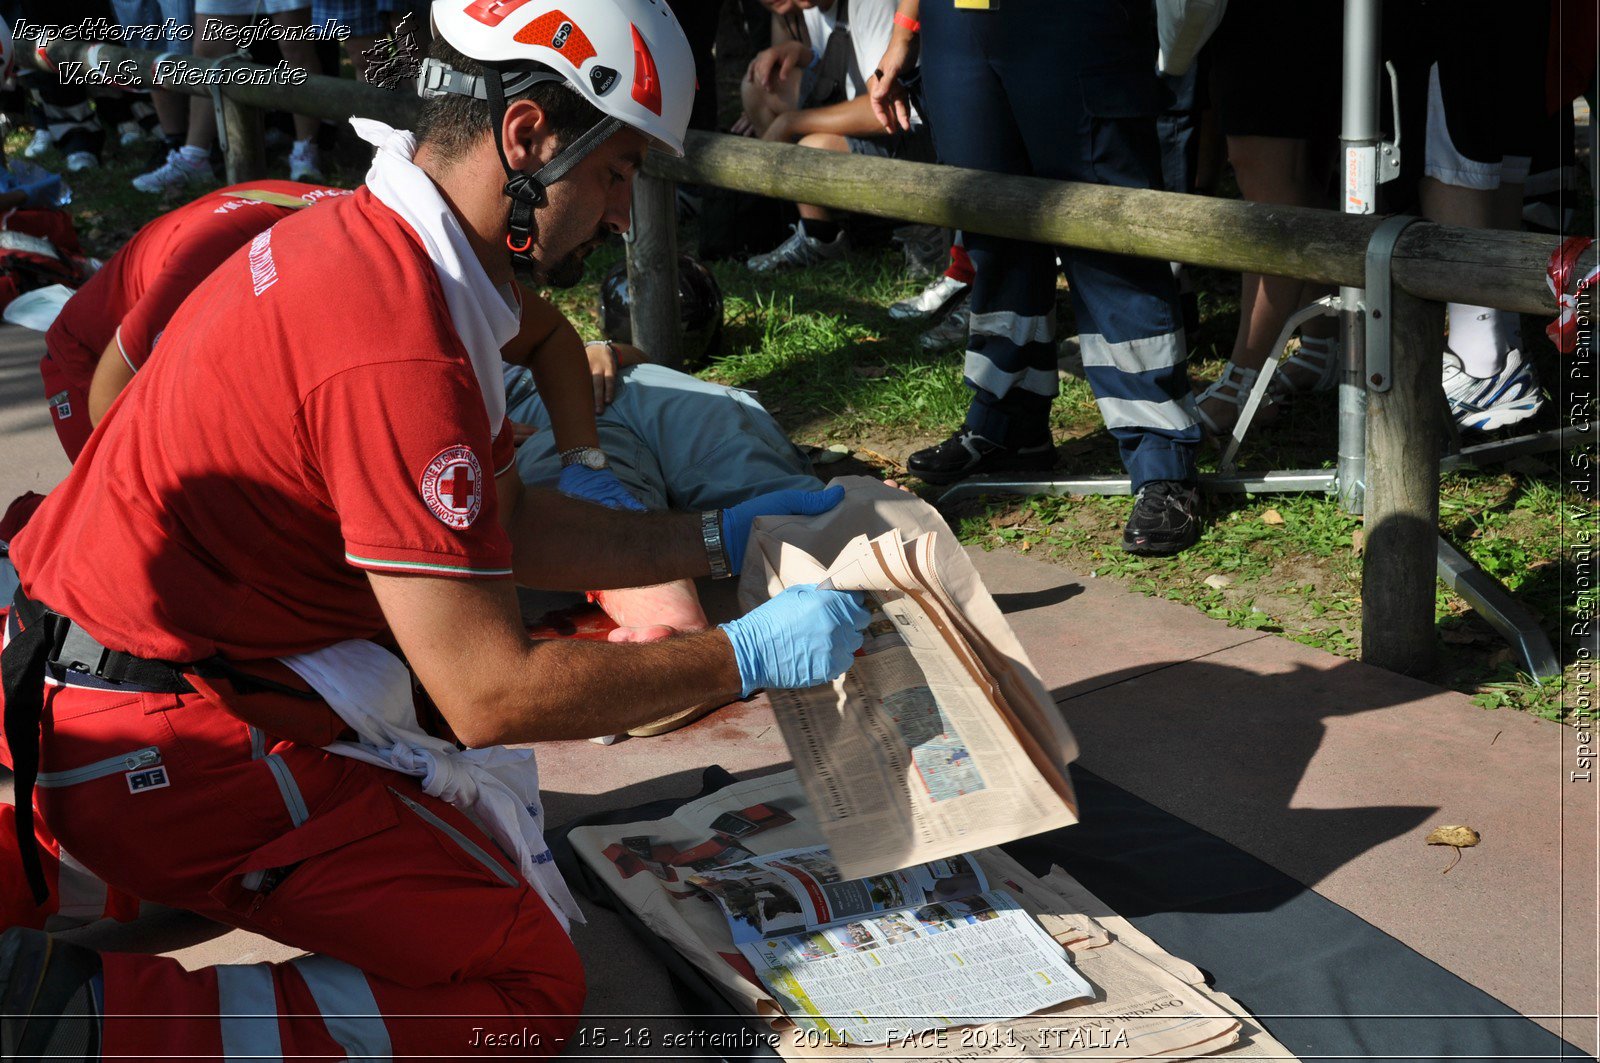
[[129, 133], [303, 162], [42, 142], [800, 250], [932, 299], [1482, 404], [79, 161], [177, 173]]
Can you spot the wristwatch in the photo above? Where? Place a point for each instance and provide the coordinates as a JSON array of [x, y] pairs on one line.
[[588, 457]]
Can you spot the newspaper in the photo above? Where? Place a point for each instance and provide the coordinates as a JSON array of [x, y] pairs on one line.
[[929, 941], [802, 889], [1144, 1003], [940, 739]]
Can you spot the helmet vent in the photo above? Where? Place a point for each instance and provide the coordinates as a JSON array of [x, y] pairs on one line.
[[646, 81]]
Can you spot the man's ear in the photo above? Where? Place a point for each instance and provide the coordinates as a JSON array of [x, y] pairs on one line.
[[525, 131]]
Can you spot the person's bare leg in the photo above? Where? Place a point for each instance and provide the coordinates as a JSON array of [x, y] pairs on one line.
[[1479, 335], [301, 54], [1269, 170], [822, 142], [761, 106], [202, 116], [172, 110]]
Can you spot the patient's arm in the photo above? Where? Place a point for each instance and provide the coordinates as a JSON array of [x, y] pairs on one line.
[[550, 347]]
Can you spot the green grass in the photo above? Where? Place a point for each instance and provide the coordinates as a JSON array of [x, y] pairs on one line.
[[820, 349]]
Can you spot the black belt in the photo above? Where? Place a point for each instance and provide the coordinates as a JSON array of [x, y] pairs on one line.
[[45, 640]]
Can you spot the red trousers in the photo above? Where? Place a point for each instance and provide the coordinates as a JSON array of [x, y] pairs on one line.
[[427, 940]]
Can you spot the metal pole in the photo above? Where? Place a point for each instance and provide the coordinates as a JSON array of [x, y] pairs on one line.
[[653, 271], [1359, 134]]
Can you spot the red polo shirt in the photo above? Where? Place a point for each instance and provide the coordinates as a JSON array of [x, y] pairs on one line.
[[313, 415]]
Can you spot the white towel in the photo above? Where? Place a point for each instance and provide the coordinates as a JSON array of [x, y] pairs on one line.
[[486, 317], [497, 787]]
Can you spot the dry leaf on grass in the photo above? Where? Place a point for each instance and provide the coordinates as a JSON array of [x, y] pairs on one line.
[[1457, 838], [1272, 516], [1358, 539]]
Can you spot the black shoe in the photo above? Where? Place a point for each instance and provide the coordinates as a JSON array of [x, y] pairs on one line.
[[50, 998], [966, 453], [1164, 519]]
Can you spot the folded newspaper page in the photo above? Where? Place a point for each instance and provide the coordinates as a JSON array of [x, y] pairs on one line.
[[929, 941], [940, 739], [1144, 1003]]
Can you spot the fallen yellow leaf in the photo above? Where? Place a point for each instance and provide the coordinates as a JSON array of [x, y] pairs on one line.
[[1465, 837], [1272, 516], [1457, 838]]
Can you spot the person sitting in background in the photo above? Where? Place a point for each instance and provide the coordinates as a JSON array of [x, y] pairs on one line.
[[1281, 148], [190, 165], [810, 88]]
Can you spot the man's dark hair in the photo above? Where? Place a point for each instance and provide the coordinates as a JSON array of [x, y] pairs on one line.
[[451, 123]]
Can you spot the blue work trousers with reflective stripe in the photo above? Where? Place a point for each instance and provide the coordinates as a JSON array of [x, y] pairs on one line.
[[1064, 89]]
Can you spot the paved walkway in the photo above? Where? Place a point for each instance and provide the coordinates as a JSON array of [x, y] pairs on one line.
[[1331, 771]]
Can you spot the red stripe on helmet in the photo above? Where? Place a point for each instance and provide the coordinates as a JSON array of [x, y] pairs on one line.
[[646, 81], [493, 12]]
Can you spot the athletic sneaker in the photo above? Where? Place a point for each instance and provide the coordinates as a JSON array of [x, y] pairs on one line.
[[1482, 404], [932, 299], [798, 251], [1163, 520], [80, 161], [304, 165], [177, 173], [951, 333], [129, 133], [967, 453], [51, 998], [42, 142]]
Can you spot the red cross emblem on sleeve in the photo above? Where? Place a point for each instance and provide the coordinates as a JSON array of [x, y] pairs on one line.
[[452, 486]]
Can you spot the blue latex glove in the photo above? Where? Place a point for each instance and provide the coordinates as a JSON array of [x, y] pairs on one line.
[[736, 520], [597, 485], [803, 637], [42, 193]]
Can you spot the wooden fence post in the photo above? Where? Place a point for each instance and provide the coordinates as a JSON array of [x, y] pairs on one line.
[[1404, 436], [653, 270], [246, 156]]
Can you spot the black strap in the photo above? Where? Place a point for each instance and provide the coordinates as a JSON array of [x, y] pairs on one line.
[[22, 669], [43, 639]]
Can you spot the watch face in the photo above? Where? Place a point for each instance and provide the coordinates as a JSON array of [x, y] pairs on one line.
[[593, 459]]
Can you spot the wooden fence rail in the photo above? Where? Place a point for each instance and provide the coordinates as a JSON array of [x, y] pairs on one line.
[[1431, 264]]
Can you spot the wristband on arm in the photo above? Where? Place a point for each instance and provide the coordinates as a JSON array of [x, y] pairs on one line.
[[907, 23]]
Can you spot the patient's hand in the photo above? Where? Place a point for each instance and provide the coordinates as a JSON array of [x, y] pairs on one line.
[[642, 612]]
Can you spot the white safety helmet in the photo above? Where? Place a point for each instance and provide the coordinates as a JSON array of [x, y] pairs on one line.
[[629, 58]]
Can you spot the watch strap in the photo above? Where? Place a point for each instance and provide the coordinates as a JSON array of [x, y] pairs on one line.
[[716, 549]]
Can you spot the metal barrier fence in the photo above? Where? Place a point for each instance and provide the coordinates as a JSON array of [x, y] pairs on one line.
[[1407, 267]]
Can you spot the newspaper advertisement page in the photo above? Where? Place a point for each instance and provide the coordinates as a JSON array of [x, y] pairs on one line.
[[801, 889], [914, 754], [917, 969], [1139, 1008]]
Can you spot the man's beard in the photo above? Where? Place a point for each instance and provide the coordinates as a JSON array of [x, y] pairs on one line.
[[566, 273]]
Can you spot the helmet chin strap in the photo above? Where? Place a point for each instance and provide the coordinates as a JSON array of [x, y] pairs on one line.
[[527, 191]]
